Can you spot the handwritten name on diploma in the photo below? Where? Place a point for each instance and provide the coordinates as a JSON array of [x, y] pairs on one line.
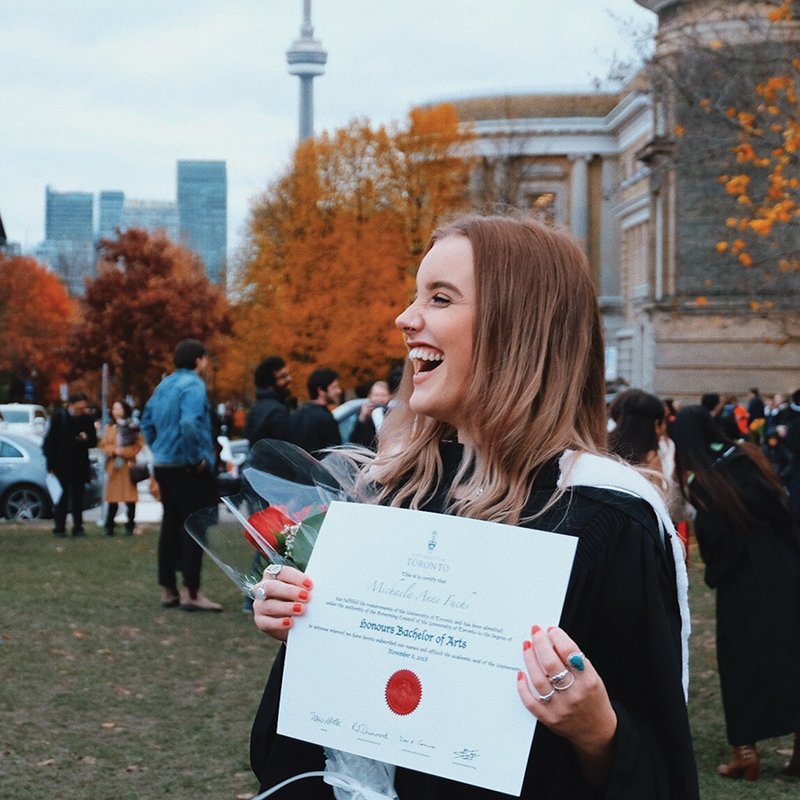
[[409, 590]]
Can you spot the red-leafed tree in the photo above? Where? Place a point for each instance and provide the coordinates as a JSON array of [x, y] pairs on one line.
[[149, 294], [36, 313]]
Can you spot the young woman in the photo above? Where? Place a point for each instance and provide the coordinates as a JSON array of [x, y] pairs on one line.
[[500, 417], [640, 426], [751, 549], [121, 442]]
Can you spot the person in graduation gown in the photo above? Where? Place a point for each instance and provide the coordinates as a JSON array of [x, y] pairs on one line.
[[521, 440], [750, 544]]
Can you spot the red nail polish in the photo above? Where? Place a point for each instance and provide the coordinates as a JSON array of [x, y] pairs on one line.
[[307, 583], [535, 629], [551, 628], [286, 622], [526, 645], [303, 595], [297, 608], [520, 676]]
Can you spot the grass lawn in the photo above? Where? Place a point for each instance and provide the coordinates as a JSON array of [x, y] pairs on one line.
[[104, 694]]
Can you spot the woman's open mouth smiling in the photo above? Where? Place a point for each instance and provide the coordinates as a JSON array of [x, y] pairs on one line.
[[425, 359]]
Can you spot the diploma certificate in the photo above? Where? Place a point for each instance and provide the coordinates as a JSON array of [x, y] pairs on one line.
[[409, 649]]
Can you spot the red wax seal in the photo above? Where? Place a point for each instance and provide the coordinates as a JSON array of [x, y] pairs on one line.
[[403, 692]]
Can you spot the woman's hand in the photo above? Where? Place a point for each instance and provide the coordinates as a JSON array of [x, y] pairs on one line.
[[563, 690], [286, 595], [366, 411]]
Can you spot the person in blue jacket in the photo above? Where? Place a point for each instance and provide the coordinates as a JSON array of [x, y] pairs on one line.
[[176, 424]]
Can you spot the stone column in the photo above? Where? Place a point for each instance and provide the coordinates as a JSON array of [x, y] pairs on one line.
[[579, 197], [610, 255]]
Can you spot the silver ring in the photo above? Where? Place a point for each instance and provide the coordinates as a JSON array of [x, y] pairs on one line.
[[545, 698], [260, 592], [558, 679], [560, 688], [274, 570]]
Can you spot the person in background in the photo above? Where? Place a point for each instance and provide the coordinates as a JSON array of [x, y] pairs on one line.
[[269, 416], [673, 407], [734, 419], [268, 419], [756, 411], [774, 451], [177, 425], [791, 440], [640, 426], [312, 426], [641, 438], [370, 417], [121, 442], [521, 440], [66, 447], [750, 545]]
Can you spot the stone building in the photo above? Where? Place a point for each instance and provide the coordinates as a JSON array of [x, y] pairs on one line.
[[681, 319]]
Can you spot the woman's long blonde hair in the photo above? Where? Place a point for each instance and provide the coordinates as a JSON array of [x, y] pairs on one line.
[[537, 384]]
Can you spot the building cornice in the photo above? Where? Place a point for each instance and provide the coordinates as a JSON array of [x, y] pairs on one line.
[[658, 5]]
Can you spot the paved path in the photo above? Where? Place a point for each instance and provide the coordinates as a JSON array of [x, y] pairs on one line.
[[148, 510]]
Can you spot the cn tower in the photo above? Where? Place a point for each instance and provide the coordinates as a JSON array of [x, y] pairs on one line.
[[306, 59]]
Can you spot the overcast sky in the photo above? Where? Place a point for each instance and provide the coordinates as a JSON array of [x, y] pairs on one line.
[[109, 94]]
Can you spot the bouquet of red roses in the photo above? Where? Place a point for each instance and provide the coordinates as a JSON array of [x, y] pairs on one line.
[[272, 531]]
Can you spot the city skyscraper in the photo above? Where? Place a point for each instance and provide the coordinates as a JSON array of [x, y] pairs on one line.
[[306, 59], [69, 216], [68, 247], [110, 213], [153, 216], [203, 212]]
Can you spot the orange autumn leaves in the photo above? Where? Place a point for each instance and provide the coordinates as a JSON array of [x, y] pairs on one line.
[[766, 185], [333, 245], [36, 314]]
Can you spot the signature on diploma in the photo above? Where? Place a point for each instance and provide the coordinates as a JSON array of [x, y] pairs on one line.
[[465, 755], [320, 719]]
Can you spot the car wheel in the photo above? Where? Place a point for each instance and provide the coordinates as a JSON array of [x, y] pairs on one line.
[[25, 502]]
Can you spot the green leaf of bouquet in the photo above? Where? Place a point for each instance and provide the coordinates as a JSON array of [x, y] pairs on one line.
[[305, 539]]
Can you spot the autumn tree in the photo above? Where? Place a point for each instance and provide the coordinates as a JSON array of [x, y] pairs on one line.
[[726, 110], [435, 159], [333, 243], [149, 294], [36, 313], [765, 179]]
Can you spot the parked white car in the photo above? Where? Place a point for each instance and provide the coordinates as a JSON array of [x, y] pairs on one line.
[[26, 419]]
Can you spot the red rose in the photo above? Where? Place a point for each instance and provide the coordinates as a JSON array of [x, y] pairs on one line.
[[269, 522]]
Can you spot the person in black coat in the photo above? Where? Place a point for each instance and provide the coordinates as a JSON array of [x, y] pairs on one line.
[[791, 473], [66, 448], [269, 416], [750, 544], [312, 426], [477, 434]]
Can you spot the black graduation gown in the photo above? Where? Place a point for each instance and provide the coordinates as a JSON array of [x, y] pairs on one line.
[[757, 580], [313, 428], [622, 610]]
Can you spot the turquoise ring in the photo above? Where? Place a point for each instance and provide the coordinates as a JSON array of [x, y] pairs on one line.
[[576, 660]]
